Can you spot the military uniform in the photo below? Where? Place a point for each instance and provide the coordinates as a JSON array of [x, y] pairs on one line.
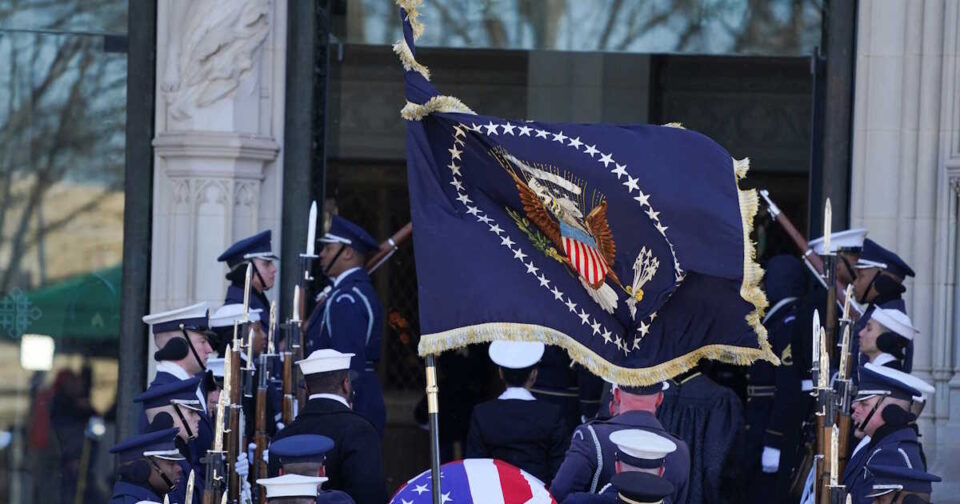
[[571, 387], [772, 388], [891, 476], [876, 256], [589, 462], [516, 427], [628, 488], [180, 394], [354, 465], [350, 320], [897, 443], [133, 485]]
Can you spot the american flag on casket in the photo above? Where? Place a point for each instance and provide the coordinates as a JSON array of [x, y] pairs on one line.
[[487, 481]]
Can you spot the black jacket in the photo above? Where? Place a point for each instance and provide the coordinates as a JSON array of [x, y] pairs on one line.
[[355, 464], [528, 434]]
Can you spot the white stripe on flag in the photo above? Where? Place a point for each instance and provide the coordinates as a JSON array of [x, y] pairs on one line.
[[484, 480], [540, 493]]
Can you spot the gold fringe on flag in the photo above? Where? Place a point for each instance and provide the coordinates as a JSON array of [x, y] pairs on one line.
[[483, 333], [409, 62], [752, 272], [414, 112], [411, 7]]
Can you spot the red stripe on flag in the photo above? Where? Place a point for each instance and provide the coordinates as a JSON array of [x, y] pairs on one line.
[[593, 264], [516, 490], [576, 248]]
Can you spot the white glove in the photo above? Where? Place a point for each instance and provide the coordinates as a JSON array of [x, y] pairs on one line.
[[252, 451], [266, 456], [246, 494], [770, 460], [243, 466]]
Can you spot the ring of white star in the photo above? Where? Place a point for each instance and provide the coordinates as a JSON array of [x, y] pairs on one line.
[[620, 170]]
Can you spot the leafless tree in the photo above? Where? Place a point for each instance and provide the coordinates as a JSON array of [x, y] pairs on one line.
[[62, 117]]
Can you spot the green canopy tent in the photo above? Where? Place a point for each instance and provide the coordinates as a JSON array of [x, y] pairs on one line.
[[82, 313]]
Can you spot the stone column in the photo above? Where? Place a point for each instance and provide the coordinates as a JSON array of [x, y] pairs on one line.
[[219, 124], [904, 155]]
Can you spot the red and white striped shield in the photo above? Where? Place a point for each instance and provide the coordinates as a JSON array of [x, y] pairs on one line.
[[587, 260]]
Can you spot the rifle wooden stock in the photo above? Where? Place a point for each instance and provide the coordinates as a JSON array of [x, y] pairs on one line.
[[844, 426], [823, 479], [803, 246], [821, 463], [390, 245], [235, 437], [260, 439], [288, 386]]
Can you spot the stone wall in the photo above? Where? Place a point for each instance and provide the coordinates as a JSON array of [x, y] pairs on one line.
[[906, 178]]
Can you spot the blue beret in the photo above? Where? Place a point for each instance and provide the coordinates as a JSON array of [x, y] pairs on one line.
[[895, 473], [343, 231], [250, 247], [641, 487], [301, 448], [885, 381], [183, 392], [875, 256], [156, 444]]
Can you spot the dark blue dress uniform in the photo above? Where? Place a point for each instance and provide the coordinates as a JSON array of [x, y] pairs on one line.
[[527, 433], [237, 256], [182, 394], [607, 495], [895, 444], [133, 485], [354, 464], [891, 476], [194, 318], [350, 320], [589, 462], [890, 294], [767, 385]]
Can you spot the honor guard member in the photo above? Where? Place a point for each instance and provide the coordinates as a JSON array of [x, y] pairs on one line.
[[354, 464], [182, 338], [896, 483], [291, 489], [590, 461], [637, 451], [879, 284], [304, 454], [255, 250], [773, 392], [350, 319], [885, 338], [147, 467], [176, 405], [516, 427], [883, 410]]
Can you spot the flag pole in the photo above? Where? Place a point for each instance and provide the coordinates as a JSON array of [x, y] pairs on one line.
[[432, 412]]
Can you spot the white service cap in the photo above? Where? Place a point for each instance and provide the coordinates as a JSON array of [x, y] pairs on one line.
[[516, 354]]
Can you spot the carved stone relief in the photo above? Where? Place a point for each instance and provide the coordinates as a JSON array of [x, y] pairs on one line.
[[217, 47]]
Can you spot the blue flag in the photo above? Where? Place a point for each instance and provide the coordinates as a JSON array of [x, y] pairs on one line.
[[628, 246]]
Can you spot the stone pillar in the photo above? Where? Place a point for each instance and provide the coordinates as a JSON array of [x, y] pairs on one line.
[[219, 128], [906, 157]]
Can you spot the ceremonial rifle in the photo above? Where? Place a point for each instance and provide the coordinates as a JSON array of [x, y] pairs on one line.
[[844, 384], [260, 433], [826, 398], [214, 461], [813, 261], [236, 444], [835, 492], [291, 344]]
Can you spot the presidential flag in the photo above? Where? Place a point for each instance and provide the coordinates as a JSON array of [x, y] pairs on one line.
[[486, 481], [627, 245]]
